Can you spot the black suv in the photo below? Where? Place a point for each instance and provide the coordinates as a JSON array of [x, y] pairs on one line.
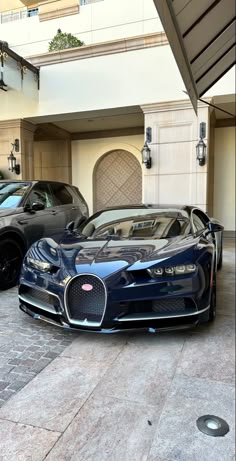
[[30, 210]]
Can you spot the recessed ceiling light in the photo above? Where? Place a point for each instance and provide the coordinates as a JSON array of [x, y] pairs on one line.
[[212, 425]]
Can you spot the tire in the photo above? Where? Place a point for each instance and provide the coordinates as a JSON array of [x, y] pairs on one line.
[[210, 315], [220, 262], [212, 310], [11, 256]]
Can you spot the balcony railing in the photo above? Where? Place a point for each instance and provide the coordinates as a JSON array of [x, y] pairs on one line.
[[87, 2], [16, 15]]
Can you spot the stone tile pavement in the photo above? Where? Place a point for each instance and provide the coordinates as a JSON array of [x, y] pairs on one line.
[[127, 397]]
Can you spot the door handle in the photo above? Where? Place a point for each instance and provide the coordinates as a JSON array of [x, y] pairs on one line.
[[23, 221]]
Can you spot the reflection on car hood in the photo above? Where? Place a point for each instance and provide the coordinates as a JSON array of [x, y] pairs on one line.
[[107, 256], [9, 211]]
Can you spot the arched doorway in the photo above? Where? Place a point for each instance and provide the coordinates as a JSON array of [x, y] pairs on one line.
[[117, 180]]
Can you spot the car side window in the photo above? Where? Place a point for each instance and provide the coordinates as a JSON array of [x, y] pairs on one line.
[[40, 193], [62, 194], [198, 224]]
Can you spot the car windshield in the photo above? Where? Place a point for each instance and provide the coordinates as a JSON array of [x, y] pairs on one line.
[[136, 223], [11, 193]]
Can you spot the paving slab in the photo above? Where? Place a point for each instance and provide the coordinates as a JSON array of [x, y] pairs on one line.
[[54, 397], [142, 374], [177, 436], [19, 442], [108, 429], [210, 352], [96, 348]]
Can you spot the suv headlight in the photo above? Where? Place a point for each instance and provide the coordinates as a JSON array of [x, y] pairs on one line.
[[172, 270]]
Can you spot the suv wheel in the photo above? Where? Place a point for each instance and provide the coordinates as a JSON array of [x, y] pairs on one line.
[[11, 256]]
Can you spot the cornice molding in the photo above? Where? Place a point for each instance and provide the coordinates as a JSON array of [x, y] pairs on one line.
[[100, 49], [17, 123], [165, 106], [108, 133]]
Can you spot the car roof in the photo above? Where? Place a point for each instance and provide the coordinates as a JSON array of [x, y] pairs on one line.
[[33, 181], [187, 208]]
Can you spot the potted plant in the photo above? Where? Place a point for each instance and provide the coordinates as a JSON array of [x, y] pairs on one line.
[[61, 41]]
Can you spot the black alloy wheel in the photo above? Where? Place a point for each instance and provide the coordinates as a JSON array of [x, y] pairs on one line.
[[11, 256]]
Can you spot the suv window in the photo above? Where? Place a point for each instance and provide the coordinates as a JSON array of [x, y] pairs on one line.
[[80, 200], [40, 192], [11, 194], [62, 194]]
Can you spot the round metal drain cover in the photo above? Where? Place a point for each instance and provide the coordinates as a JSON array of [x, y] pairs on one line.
[[212, 425]]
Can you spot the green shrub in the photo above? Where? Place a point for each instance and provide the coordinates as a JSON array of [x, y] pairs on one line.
[[1, 175], [61, 41]]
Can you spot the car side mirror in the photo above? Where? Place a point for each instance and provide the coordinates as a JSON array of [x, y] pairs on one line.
[[213, 227], [81, 220], [70, 226], [37, 206]]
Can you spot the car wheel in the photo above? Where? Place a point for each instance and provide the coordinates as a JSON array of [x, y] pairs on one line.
[[220, 262], [11, 256], [210, 314], [212, 310]]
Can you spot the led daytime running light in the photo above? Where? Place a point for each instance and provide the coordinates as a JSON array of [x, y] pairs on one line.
[[172, 270]]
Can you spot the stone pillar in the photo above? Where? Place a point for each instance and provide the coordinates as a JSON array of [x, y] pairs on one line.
[[175, 176], [52, 160], [24, 131]]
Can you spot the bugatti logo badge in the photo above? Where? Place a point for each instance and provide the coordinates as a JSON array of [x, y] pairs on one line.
[[87, 287]]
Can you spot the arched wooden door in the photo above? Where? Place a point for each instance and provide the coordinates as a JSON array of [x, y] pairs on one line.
[[117, 180]]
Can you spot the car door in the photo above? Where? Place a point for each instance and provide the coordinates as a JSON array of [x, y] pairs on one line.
[[41, 223], [67, 203]]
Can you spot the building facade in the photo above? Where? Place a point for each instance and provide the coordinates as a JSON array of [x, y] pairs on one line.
[[85, 120]]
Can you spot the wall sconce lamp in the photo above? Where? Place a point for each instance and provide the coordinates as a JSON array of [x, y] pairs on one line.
[[12, 165], [146, 156], [201, 146]]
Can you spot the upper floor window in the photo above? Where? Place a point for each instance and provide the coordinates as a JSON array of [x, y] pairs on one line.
[[9, 16]]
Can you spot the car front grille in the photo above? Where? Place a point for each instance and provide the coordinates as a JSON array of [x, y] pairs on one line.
[[85, 300]]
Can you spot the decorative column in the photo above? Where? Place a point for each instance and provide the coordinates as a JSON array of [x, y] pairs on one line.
[[24, 131], [176, 176]]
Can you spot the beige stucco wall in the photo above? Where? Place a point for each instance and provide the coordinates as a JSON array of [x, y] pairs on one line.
[[224, 177], [7, 5], [86, 153]]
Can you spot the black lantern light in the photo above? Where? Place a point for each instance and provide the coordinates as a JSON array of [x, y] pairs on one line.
[[201, 146], [12, 165], [146, 156]]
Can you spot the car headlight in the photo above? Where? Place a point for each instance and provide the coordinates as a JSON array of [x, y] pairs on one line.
[[172, 270], [42, 266]]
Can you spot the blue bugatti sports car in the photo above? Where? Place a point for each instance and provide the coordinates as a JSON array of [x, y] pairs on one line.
[[142, 266]]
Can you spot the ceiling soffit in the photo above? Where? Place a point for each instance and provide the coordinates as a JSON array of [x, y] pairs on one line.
[[202, 37]]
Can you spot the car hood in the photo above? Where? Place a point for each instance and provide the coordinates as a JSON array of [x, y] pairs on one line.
[[104, 257], [9, 211]]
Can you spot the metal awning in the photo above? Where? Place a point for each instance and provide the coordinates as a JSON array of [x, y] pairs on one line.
[[202, 36]]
